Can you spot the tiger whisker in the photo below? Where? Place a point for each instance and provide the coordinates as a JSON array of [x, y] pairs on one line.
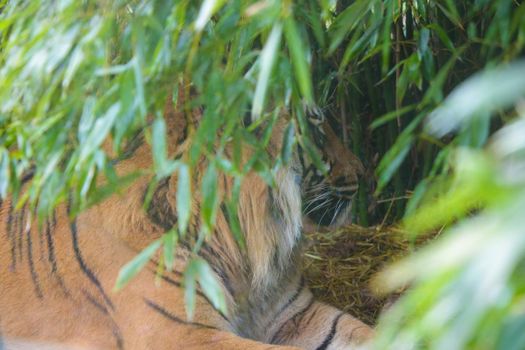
[[338, 207], [319, 206], [321, 219]]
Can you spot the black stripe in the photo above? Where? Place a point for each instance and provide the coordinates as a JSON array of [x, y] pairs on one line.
[[40, 237], [85, 269], [179, 285], [41, 242], [174, 318], [292, 300], [118, 335], [160, 211], [93, 301], [21, 222], [295, 319], [52, 259], [330, 337], [115, 329], [132, 144], [312, 316], [27, 175], [34, 275]]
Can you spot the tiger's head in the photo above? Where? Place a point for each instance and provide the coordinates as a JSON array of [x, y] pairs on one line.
[[328, 197]]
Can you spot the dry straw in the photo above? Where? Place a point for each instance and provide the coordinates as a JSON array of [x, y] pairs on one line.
[[339, 266]]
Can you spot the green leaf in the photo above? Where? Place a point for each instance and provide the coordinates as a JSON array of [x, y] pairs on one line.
[[208, 8], [230, 213], [210, 286], [170, 240], [298, 55], [132, 268], [139, 85], [442, 36], [266, 63], [357, 45], [190, 288], [512, 337], [209, 197], [346, 21], [484, 92], [183, 197], [163, 166], [4, 172], [158, 143], [288, 142], [385, 118], [99, 132], [392, 160], [199, 269]]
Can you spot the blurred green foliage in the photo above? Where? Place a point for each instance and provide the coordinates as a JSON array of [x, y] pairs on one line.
[[75, 72], [469, 285]]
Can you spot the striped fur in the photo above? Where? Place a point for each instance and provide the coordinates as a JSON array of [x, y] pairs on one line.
[[57, 278]]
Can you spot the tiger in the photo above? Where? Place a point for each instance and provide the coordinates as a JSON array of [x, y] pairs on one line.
[[57, 277], [328, 196]]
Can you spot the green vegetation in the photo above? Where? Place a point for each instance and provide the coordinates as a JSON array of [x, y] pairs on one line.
[[74, 72]]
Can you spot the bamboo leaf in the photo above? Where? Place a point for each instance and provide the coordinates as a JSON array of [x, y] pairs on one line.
[[288, 143], [183, 197], [299, 63], [208, 8], [170, 240], [210, 286], [132, 268], [99, 132], [382, 120], [209, 197], [163, 166], [392, 160], [346, 21], [266, 62], [486, 91], [442, 36], [190, 288], [4, 172]]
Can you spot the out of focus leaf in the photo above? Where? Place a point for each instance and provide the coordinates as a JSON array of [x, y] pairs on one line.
[[99, 132], [485, 92], [170, 240], [298, 53], [183, 197], [266, 63], [132, 268], [392, 160], [198, 269], [208, 8], [209, 197], [4, 173], [163, 166]]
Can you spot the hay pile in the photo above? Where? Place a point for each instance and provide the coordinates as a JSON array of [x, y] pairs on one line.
[[340, 264]]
